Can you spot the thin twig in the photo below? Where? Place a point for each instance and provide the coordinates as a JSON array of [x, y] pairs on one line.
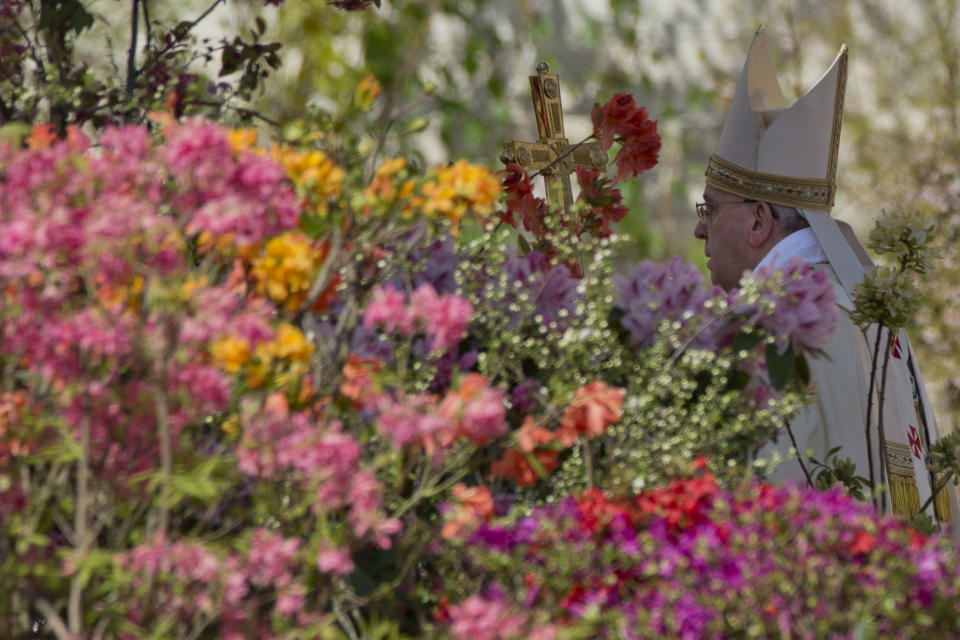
[[933, 494], [53, 618], [793, 441]]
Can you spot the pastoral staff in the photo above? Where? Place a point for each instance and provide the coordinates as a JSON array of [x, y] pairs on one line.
[[769, 190]]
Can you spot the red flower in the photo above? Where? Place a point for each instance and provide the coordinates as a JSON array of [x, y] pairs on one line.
[[605, 202], [521, 202], [863, 543], [622, 121]]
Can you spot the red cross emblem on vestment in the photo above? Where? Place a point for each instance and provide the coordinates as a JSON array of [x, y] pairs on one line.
[[913, 436], [897, 349]]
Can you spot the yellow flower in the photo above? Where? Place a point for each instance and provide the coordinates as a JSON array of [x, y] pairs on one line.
[[313, 172], [450, 191], [383, 185], [367, 91], [242, 139], [230, 353], [285, 269], [230, 426], [288, 344]]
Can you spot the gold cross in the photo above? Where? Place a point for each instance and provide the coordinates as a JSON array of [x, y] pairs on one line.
[[549, 154]]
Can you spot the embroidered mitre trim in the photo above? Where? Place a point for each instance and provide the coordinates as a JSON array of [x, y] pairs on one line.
[[766, 187]]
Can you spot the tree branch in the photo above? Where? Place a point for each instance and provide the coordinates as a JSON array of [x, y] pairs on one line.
[[132, 53]]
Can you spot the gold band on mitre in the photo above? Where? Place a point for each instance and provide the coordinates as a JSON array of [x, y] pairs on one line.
[[766, 187]]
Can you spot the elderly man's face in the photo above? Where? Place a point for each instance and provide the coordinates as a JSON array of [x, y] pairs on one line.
[[724, 229]]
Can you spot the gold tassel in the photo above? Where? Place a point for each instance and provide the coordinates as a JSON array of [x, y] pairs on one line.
[[904, 495], [941, 504]]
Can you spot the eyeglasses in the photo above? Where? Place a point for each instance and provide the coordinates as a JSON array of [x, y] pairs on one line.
[[706, 209]]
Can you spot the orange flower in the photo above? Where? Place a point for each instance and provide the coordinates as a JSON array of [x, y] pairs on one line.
[[358, 375], [594, 408], [42, 137], [517, 462], [473, 506]]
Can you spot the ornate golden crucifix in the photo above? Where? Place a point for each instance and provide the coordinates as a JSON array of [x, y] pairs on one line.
[[551, 153]]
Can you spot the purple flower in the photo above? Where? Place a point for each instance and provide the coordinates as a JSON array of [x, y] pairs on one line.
[[805, 312], [552, 289], [656, 293]]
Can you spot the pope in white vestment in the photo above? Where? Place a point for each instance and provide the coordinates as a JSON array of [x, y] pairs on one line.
[[769, 189]]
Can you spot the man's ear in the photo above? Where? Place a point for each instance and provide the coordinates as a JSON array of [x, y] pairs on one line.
[[762, 225]]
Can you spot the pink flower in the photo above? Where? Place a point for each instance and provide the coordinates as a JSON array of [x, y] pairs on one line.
[[477, 408], [335, 561], [478, 618], [388, 307], [271, 558], [412, 420], [291, 600]]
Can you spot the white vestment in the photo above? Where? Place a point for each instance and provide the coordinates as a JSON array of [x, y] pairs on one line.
[[837, 416]]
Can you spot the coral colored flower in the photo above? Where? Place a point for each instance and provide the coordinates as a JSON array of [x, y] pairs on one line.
[[595, 407], [471, 506], [863, 543], [358, 376], [477, 409], [516, 462]]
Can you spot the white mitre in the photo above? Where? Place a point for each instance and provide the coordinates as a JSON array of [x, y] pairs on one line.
[[787, 154]]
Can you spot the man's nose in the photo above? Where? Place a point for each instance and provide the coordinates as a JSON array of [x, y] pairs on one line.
[[700, 231]]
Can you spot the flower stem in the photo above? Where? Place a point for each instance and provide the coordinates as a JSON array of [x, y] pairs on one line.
[[74, 613], [873, 377], [880, 429], [793, 441], [935, 492]]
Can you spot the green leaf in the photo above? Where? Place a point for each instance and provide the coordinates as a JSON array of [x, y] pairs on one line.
[[803, 370], [523, 244], [745, 341], [780, 367]]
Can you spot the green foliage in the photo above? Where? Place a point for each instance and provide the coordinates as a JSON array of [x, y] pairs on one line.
[[839, 471]]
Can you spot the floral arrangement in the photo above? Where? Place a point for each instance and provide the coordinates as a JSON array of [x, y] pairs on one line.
[[276, 390], [693, 560]]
